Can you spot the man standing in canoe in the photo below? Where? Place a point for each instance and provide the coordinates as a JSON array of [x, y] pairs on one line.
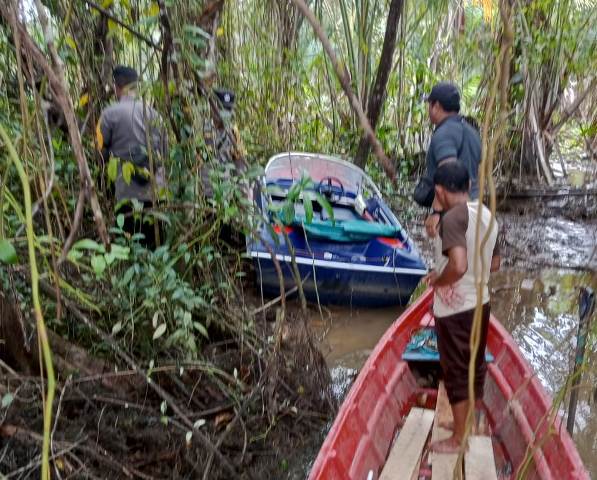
[[455, 296]]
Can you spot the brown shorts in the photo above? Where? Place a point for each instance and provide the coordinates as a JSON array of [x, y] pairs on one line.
[[453, 336]]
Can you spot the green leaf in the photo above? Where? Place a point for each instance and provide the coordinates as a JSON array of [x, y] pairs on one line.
[[197, 41], [113, 169], [128, 276], [127, 172], [153, 10], [109, 257], [326, 206], [288, 213], [98, 263], [308, 207], [7, 400], [256, 171], [201, 329], [120, 220], [112, 26], [191, 344], [294, 192], [159, 331], [74, 255], [160, 216], [197, 61], [116, 328], [120, 252], [8, 254], [195, 30], [87, 244]]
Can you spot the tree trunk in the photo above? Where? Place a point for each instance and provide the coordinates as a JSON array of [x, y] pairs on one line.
[[342, 74], [378, 92]]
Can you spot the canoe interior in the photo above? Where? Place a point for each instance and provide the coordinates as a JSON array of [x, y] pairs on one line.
[[517, 408]]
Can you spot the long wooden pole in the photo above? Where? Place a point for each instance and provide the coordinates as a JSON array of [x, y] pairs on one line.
[[586, 302]]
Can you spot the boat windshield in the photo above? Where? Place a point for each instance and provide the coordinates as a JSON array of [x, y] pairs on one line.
[[290, 167]]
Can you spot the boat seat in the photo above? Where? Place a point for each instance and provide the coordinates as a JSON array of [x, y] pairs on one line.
[[442, 464], [405, 455], [479, 462]]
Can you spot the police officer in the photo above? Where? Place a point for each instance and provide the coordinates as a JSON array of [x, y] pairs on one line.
[[122, 134]]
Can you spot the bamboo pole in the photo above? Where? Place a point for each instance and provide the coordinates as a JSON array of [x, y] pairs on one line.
[[42, 334], [498, 87]]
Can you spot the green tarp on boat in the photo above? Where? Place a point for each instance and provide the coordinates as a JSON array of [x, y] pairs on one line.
[[346, 231]]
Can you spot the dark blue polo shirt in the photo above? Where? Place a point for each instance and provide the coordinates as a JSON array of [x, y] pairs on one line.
[[456, 138]]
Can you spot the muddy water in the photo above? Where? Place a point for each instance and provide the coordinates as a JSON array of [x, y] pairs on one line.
[[539, 306]]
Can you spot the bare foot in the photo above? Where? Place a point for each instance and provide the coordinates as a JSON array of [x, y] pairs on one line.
[[449, 445]]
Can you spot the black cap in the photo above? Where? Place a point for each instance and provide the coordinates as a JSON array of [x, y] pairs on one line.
[[226, 97], [447, 95], [124, 76]]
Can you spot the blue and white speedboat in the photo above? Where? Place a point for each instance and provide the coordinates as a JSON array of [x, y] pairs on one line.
[[349, 247]]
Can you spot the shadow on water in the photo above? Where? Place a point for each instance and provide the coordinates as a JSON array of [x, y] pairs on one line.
[[539, 308]]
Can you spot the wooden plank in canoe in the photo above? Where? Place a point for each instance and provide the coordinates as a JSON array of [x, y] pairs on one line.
[[442, 464], [403, 461], [479, 463], [443, 411]]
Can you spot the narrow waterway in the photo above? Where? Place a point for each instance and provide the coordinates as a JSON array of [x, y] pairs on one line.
[[538, 305]]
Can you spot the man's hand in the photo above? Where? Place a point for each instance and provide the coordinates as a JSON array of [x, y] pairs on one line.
[[431, 225], [430, 278]]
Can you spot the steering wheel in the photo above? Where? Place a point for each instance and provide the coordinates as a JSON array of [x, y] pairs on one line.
[[326, 187]]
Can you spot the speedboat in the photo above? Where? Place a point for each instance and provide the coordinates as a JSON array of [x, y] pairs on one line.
[[328, 217]]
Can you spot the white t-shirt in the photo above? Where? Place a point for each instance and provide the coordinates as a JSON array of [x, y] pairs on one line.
[[458, 228]]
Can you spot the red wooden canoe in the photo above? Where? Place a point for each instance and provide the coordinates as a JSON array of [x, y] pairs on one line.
[[517, 407]]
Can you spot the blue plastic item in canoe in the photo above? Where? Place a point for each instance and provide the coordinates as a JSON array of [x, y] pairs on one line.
[[422, 347]]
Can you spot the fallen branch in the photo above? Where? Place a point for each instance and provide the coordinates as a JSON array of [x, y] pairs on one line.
[[273, 302], [76, 223]]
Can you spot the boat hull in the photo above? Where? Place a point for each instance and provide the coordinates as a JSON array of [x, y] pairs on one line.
[[340, 283], [517, 406]]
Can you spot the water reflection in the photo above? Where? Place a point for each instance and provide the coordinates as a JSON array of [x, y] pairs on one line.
[[353, 333], [541, 312]]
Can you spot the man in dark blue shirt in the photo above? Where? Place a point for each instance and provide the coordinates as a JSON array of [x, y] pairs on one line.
[[452, 139]]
